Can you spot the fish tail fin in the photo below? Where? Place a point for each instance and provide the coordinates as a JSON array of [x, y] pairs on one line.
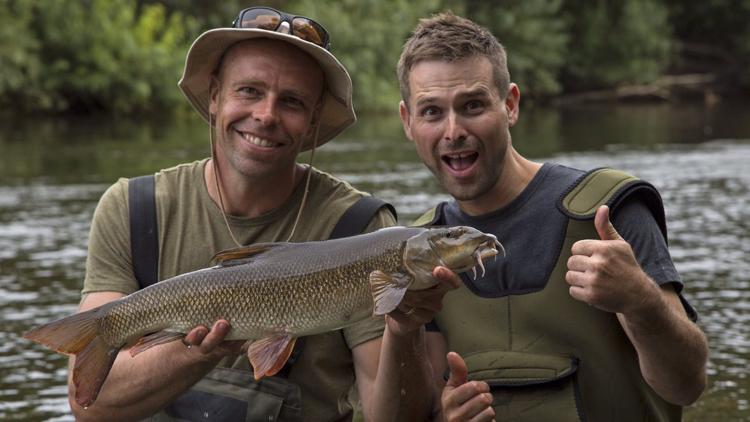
[[78, 335]]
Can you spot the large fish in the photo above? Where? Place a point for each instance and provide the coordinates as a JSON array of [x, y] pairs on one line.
[[270, 293]]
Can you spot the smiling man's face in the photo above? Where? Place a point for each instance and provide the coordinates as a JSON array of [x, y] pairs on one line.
[[264, 99]]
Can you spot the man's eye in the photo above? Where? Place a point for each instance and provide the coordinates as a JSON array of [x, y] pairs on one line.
[[248, 90], [294, 102], [474, 106], [430, 111]]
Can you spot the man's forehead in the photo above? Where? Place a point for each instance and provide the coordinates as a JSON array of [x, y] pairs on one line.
[[431, 80], [285, 60]]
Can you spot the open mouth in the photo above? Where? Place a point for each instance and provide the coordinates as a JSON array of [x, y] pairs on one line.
[[489, 248], [460, 161]]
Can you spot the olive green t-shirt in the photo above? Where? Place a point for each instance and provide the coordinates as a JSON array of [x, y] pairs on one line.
[[192, 230]]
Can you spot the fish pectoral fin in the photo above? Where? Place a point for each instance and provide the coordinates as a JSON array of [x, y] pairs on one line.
[[154, 339], [387, 290], [241, 254], [269, 354]]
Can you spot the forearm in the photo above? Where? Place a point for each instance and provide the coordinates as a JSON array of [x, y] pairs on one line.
[[403, 389], [672, 350], [137, 387]]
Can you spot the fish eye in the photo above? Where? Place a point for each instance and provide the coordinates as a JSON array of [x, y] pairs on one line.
[[454, 234]]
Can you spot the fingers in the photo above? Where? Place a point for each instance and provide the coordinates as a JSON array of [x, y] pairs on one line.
[[586, 247], [458, 370], [464, 400], [419, 307], [207, 340], [425, 303], [448, 279], [215, 336], [604, 227]]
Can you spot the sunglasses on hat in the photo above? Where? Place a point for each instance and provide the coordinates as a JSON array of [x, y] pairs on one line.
[[274, 20]]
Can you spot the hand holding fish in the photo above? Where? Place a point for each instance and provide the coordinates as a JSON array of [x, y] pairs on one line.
[[419, 307], [211, 342]]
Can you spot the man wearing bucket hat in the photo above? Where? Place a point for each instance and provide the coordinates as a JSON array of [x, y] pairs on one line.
[[269, 89]]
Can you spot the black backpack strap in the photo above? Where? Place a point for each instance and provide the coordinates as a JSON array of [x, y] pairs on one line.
[[144, 234], [358, 216]]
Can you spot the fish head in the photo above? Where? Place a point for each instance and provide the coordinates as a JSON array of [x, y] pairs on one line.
[[460, 248]]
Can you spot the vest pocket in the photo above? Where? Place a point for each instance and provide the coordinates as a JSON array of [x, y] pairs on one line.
[[529, 387], [227, 394]]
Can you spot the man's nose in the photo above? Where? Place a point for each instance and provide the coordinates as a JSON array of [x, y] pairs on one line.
[[265, 111], [454, 128]]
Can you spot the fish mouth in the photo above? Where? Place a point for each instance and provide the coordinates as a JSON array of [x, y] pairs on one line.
[[489, 248]]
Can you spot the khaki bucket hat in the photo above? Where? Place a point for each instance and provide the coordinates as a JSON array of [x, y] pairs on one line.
[[337, 112]]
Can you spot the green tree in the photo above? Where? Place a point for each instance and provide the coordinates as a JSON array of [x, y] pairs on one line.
[[713, 36], [534, 36], [367, 36], [616, 42], [20, 64], [98, 55]]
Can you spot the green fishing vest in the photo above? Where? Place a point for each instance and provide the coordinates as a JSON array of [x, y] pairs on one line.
[[545, 355]]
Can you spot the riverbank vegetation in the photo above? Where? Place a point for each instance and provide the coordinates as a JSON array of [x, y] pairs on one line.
[[125, 56]]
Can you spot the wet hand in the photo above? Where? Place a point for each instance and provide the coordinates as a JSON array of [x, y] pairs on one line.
[[464, 400], [605, 273], [419, 307], [211, 342]]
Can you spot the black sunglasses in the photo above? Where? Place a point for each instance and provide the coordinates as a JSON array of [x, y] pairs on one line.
[[272, 19]]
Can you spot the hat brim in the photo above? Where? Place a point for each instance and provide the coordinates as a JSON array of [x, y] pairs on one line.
[[337, 112]]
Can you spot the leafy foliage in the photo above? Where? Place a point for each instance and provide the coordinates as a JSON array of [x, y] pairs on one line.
[[616, 42], [125, 56], [367, 36], [95, 55], [535, 38]]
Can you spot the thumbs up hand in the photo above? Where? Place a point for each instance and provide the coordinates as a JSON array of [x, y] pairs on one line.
[[604, 272], [464, 400]]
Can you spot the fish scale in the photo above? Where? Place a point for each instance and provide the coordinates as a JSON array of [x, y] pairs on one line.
[[269, 293]]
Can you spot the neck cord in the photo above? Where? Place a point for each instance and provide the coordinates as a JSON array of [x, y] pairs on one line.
[[218, 185]]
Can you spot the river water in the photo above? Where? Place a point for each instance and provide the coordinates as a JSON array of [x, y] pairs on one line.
[[52, 173]]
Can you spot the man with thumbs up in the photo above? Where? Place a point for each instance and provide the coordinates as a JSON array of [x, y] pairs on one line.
[[583, 318]]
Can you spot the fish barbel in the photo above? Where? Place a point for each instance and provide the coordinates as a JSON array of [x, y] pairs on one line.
[[270, 293]]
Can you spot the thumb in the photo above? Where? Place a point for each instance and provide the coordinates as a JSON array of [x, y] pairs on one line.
[[458, 370], [604, 227]]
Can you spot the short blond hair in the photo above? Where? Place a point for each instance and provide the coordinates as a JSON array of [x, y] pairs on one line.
[[449, 38]]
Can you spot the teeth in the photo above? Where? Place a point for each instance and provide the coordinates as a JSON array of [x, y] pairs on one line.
[[258, 141], [460, 161]]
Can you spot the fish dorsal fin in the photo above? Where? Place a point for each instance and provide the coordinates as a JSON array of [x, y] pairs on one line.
[[387, 290], [269, 354], [242, 254], [154, 339]]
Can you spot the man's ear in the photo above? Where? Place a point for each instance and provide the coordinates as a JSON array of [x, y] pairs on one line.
[[513, 104], [213, 96], [315, 117], [403, 110]]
